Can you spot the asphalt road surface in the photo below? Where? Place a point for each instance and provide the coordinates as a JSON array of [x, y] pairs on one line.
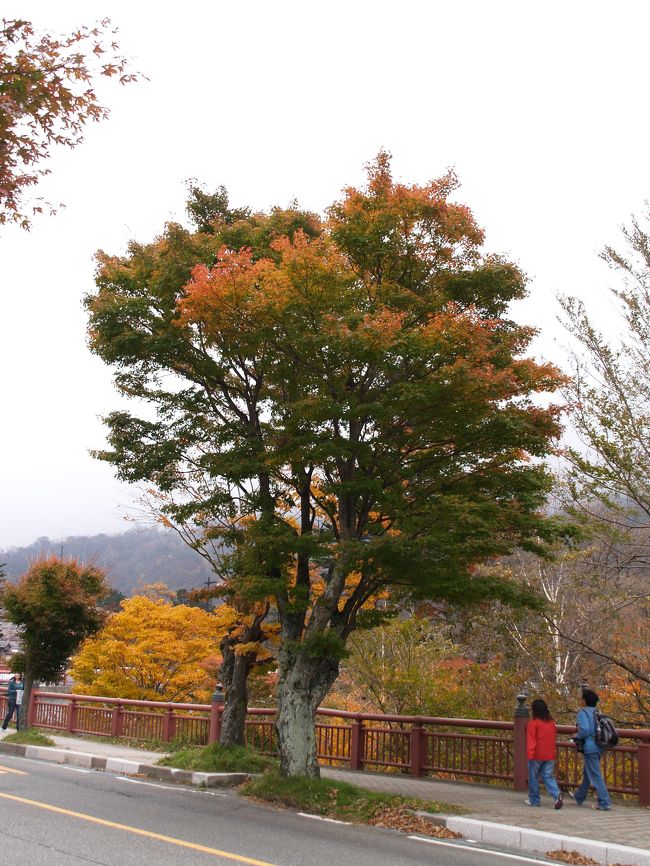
[[64, 816]]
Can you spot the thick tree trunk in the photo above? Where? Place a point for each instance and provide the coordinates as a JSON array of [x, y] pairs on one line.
[[235, 669], [234, 676], [23, 710], [304, 682]]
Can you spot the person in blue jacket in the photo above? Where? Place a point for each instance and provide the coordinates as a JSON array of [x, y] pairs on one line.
[[15, 685], [592, 753]]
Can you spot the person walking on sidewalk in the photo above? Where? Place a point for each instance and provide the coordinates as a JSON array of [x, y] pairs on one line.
[[14, 700], [541, 734], [591, 752]]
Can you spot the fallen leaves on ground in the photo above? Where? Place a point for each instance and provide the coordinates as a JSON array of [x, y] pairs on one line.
[[401, 819], [572, 857]]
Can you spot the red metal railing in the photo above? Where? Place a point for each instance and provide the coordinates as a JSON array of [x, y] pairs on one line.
[[452, 748]]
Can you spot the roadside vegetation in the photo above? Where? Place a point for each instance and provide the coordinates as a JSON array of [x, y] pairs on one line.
[[30, 737], [323, 797], [218, 758], [345, 802]]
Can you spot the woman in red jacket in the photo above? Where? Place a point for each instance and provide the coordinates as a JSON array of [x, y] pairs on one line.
[[540, 742]]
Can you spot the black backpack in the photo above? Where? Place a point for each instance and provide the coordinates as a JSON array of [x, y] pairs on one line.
[[605, 735]]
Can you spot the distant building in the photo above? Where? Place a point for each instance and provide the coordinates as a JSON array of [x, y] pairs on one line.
[[9, 638]]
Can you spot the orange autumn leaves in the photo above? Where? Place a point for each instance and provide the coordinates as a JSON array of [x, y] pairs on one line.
[[262, 303], [240, 291]]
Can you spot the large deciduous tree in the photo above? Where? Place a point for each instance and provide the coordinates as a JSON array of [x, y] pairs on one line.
[[358, 400], [46, 99], [55, 606]]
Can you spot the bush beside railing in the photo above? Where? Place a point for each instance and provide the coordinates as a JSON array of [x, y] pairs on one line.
[[488, 750]]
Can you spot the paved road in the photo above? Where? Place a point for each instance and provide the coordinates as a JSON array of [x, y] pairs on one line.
[[61, 816]]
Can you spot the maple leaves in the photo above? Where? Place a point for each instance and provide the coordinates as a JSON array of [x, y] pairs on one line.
[[152, 650], [46, 99], [55, 606], [352, 412]]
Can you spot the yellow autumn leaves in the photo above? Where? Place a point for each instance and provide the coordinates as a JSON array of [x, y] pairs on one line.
[[152, 650]]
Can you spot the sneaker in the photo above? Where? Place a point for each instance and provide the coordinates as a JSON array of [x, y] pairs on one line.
[[559, 802], [528, 803], [601, 808]]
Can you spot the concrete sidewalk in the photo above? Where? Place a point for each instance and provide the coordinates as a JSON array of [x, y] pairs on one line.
[[493, 814], [626, 824]]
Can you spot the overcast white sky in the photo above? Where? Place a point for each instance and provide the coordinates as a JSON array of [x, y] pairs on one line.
[[540, 106]]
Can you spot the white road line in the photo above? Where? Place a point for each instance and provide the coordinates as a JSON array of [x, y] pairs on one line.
[[321, 818], [519, 857], [176, 788]]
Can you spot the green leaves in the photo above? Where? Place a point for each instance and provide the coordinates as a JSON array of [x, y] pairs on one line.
[[343, 404], [55, 606]]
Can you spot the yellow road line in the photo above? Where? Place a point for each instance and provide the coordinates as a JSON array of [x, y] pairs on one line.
[[4, 769], [170, 839]]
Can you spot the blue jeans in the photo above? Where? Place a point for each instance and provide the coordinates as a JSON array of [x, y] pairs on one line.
[[592, 775], [11, 708], [545, 769]]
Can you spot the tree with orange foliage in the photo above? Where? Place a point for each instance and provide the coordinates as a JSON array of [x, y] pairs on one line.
[[46, 99], [197, 470], [357, 404], [55, 606], [151, 650]]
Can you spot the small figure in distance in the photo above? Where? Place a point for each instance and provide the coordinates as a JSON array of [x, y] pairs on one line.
[[15, 685], [591, 752], [540, 747]]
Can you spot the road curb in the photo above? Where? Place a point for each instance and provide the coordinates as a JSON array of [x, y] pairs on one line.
[[538, 841], [123, 766]]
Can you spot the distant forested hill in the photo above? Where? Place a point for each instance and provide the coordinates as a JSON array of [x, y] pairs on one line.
[[131, 558]]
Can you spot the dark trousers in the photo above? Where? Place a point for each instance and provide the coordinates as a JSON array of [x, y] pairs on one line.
[[13, 708]]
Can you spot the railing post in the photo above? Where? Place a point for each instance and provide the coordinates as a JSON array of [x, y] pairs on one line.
[[117, 721], [357, 744], [72, 716], [169, 725], [519, 745], [643, 758], [417, 749], [216, 711]]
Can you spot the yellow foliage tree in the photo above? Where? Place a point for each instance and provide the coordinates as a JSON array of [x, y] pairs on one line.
[[152, 650]]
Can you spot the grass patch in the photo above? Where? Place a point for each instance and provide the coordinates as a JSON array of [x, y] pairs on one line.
[[216, 758], [31, 737], [347, 802]]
